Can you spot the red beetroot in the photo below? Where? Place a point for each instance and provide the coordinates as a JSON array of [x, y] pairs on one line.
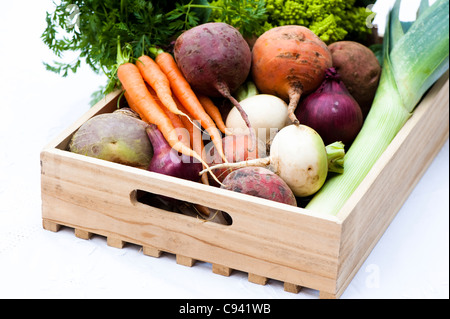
[[260, 182], [216, 60]]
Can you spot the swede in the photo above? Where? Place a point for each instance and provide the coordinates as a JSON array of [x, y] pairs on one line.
[[115, 137], [289, 61]]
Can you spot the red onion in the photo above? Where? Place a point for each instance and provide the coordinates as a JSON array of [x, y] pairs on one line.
[[167, 161], [331, 111]]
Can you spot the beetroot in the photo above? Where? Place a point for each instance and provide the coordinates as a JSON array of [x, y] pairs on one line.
[[215, 59], [260, 182], [236, 149]]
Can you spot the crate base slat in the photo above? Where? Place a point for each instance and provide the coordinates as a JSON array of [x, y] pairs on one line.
[[115, 242], [292, 288], [222, 270], [257, 279], [82, 234], [152, 251], [181, 260], [50, 225], [185, 261]]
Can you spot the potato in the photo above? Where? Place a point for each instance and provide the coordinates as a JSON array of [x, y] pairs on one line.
[[359, 70]]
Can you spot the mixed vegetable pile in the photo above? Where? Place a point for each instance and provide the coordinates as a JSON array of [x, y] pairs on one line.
[[282, 100]]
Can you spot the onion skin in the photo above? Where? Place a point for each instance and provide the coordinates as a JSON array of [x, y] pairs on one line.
[[167, 161], [332, 111]]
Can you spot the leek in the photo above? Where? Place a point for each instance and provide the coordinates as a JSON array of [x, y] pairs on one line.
[[415, 56]]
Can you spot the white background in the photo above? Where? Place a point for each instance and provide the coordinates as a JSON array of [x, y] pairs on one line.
[[411, 260]]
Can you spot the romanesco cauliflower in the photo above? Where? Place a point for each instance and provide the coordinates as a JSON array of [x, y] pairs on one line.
[[331, 20]]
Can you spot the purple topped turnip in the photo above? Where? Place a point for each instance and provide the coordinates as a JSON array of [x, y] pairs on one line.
[[114, 137]]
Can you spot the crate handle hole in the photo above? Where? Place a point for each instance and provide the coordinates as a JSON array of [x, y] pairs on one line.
[[177, 206]]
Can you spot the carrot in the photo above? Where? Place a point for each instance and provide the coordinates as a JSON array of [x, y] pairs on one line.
[[213, 111], [143, 103], [155, 77], [132, 105], [178, 124], [194, 133], [183, 91], [198, 146]]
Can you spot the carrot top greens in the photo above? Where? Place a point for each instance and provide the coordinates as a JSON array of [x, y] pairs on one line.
[[91, 29]]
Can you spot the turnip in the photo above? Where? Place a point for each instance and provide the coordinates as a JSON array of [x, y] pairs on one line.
[[260, 182], [267, 115], [215, 59], [298, 155], [115, 137]]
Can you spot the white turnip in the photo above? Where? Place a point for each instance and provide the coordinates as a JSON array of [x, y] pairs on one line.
[[267, 115], [298, 155]]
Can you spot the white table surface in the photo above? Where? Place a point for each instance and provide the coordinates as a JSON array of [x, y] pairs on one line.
[[411, 260]]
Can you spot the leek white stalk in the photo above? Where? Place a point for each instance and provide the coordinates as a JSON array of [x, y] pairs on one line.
[[413, 61]]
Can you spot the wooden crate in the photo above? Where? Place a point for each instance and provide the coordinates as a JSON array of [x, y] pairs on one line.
[[266, 239]]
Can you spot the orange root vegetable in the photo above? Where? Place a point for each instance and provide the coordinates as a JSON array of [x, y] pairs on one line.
[[195, 138], [184, 93], [155, 77], [289, 61], [195, 133], [178, 124], [212, 111], [142, 102]]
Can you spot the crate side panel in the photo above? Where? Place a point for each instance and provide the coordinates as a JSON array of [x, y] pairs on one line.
[[95, 195], [376, 202]]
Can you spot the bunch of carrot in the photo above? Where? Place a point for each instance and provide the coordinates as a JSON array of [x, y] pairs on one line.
[[157, 90]]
